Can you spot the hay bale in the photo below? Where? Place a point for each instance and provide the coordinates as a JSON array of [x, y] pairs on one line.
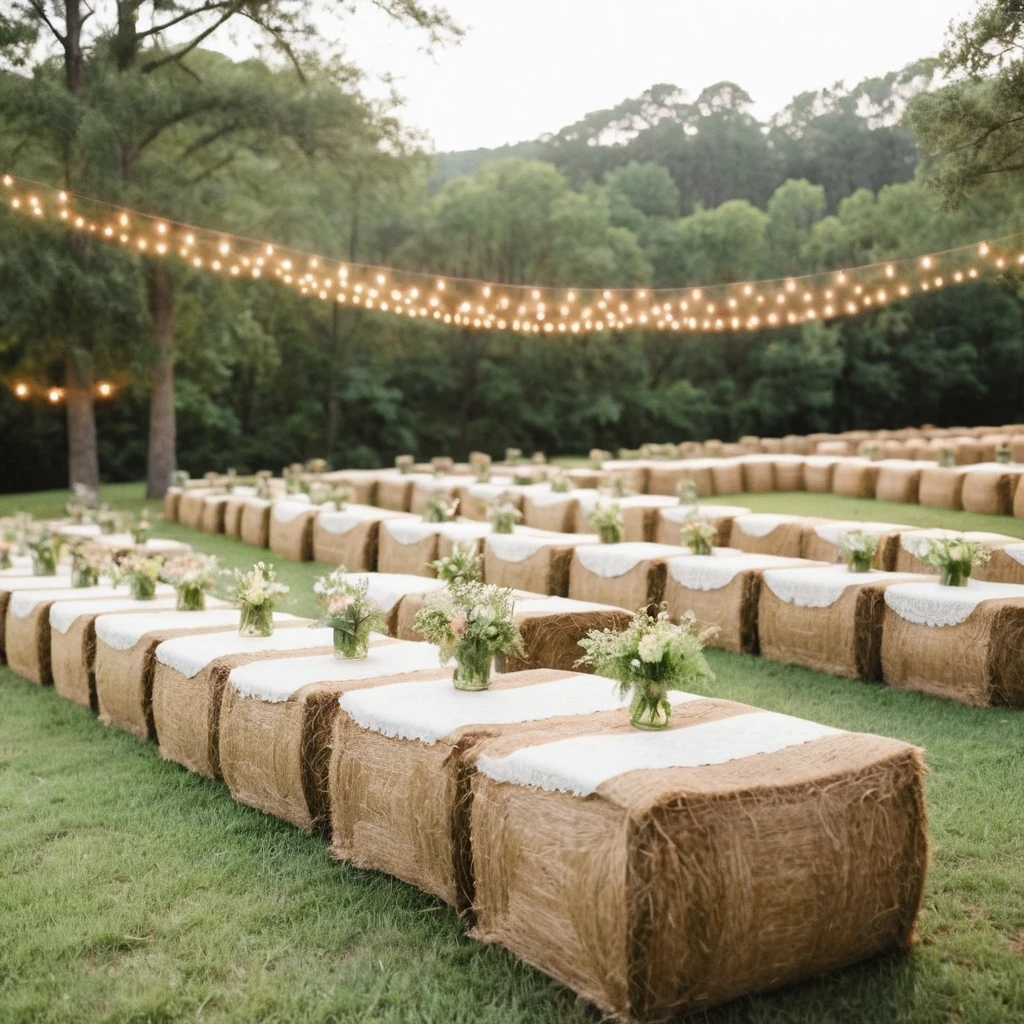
[[532, 561], [640, 515], [211, 514], [277, 724], [795, 444], [825, 618], [124, 661], [13, 582], [898, 480], [769, 533], [840, 448], [407, 546], [27, 637], [990, 489], [722, 591], [655, 885], [670, 521], [453, 487], [820, 541], [188, 683], [962, 643], [665, 477], [624, 575], [389, 591], [914, 543], [254, 525], [395, 492], [552, 511], [819, 471], [349, 537], [73, 642], [770, 445], [635, 472], [465, 532], [290, 530], [585, 478], [1007, 565], [399, 767], [1017, 448], [758, 474], [727, 476], [477, 497], [190, 507], [233, 515], [171, 498], [941, 487], [855, 478]]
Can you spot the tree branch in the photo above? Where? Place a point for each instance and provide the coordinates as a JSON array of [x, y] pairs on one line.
[[188, 48], [40, 10], [213, 5]]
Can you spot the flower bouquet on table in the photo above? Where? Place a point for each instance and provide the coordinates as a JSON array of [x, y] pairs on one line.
[[503, 515], [470, 623], [108, 520], [76, 512], [404, 464], [480, 466], [439, 508], [687, 493], [45, 548], [649, 658], [230, 480], [607, 521], [255, 593], [325, 494], [6, 550], [512, 456], [463, 565], [263, 488], [89, 561], [293, 478], [180, 478], [859, 549], [947, 457], [615, 485], [16, 530], [598, 457], [1004, 456], [140, 528], [561, 483], [698, 535], [955, 558], [193, 576], [346, 608], [316, 466], [140, 573]]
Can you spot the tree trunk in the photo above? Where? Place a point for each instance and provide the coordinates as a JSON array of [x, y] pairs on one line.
[[83, 460], [162, 425]]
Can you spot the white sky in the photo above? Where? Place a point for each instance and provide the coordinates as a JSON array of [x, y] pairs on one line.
[[532, 66]]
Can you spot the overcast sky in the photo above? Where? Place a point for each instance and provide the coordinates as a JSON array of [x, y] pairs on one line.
[[532, 66]]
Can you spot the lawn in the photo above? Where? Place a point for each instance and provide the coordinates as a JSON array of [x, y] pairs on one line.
[[133, 891]]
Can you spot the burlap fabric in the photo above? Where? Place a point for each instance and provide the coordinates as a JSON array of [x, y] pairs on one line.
[[254, 526], [211, 516], [544, 572], [898, 480], [785, 540], [855, 478], [354, 548], [640, 587], [293, 539], [989, 490]]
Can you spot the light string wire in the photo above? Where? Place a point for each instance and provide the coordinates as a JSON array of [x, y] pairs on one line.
[[528, 309]]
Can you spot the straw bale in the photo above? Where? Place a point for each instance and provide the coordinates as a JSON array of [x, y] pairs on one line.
[[795, 444], [11, 583], [462, 532], [898, 480], [585, 478], [1007, 565], [361, 485], [772, 445], [941, 487], [666, 892], [395, 493], [634, 579], [769, 533], [669, 521], [990, 489], [842, 448], [1017, 448], [727, 476], [758, 475], [553, 512], [233, 515], [544, 570], [454, 487], [292, 539], [350, 537], [254, 526], [912, 541], [665, 477], [407, 547], [190, 507], [211, 516], [819, 471], [635, 472], [855, 478], [172, 496], [819, 541], [477, 497]]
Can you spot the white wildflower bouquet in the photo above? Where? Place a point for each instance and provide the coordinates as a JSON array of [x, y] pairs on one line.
[[859, 548], [607, 521], [649, 658], [471, 623], [404, 464], [512, 456], [699, 535], [193, 576], [439, 508], [463, 565], [687, 492], [598, 457], [503, 514], [6, 550], [561, 483], [140, 527], [180, 478], [345, 607], [45, 547], [324, 494], [480, 465], [89, 561], [955, 558], [615, 485], [255, 592], [108, 520], [140, 573]]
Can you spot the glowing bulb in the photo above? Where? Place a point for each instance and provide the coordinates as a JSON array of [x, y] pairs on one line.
[[105, 389], [926, 262], [890, 270], [161, 229], [983, 249], [21, 390], [53, 395]]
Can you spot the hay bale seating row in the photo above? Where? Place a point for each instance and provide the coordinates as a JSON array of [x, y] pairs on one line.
[[298, 734]]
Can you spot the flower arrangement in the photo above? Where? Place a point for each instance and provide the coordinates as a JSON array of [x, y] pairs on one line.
[[140, 527], [687, 492], [316, 466], [263, 488], [439, 508], [522, 479], [614, 485], [89, 561], [503, 514], [256, 592], [512, 456], [346, 608], [539, 459], [561, 483], [140, 573], [955, 558], [404, 464], [76, 511], [859, 548], [463, 565], [180, 478], [480, 464], [442, 465], [873, 451], [323, 494], [1003, 454], [108, 520], [598, 457], [229, 480], [6, 550], [192, 576], [15, 531], [607, 520], [470, 623], [648, 659], [45, 547], [293, 478], [699, 535], [947, 457]]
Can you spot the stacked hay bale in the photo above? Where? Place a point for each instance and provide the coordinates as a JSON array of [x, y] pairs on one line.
[[630, 575], [290, 528], [819, 472], [349, 536]]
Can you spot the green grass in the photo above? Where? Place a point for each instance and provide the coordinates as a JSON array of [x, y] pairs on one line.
[[133, 891]]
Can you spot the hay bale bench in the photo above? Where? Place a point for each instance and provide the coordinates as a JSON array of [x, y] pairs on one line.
[[188, 683], [190, 507], [389, 590], [962, 643], [990, 488], [819, 471], [399, 767], [172, 498], [623, 575], [350, 536], [477, 497], [531, 560], [769, 533], [125, 659], [290, 529], [233, 515], [73, 642], [669, 522], [277, 723], [913, 544], [825, 618], [1007, 565], [721, 590], [727, 476], [407, 546], [553, 511], [899, 480], [27, 636], [655, 875], [211, 515], [361, 484], [467, 533], [254, 522], [941, 487], [451, 487], [821, 541], [855, 478], [665, 477], [639, 512], [763, 474], [10, 581]]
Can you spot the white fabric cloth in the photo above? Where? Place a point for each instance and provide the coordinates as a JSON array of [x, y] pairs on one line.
[[410, 531], [821, 587], [1015, 551], [822, 461], [64, 613], [388, 588], [931, 604], [290, 510], [495, 488], [21, 570], [521, 545], [189, 655], [277, 680], [77, 529], [462, 531], [352, 516], [703, 572], [683, 513], [916, 542], [123, 632], [59, 582], [760, 524], [429, 711], [558, 606], [833, 532], [580, 764], [612, 560], [23, 603], [549, 498]]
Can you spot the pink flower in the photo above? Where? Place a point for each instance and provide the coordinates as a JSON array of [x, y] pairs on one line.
[[458, 624], [338, 604]]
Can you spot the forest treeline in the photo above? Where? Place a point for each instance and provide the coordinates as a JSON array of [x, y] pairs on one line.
[[663, 190]]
